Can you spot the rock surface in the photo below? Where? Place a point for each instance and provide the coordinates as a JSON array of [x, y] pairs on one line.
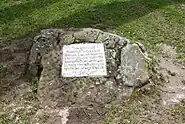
[[83, 100], [86, 100]]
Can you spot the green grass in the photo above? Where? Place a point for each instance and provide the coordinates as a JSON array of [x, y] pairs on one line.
[[33, 83], [147, 21], [3, 69]]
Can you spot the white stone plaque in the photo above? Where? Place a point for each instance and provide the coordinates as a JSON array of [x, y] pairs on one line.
[[80, 60]]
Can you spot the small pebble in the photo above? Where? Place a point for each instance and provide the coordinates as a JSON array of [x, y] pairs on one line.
[[97, 83], [171, 73], [183, 81]]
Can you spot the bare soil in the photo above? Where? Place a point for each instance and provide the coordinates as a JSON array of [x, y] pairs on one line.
[[18, 96], [174, 72]]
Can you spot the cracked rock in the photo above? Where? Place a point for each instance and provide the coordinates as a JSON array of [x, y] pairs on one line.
[[126, 67]]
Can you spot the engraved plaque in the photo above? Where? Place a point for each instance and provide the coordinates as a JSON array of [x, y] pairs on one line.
[[80, 60]]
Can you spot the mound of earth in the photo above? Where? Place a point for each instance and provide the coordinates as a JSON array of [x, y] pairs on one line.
[[33, 89], [82, 100]]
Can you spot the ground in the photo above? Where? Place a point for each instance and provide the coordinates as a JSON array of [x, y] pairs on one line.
[[147, 21]]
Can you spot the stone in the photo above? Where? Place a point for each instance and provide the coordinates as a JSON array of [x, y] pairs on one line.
[[133, 69], [125, 64]]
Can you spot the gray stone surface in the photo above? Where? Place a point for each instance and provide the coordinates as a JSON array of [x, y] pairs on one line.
[[84, 99], [133, 70]]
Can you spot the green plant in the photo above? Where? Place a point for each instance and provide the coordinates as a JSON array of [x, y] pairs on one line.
[[34, 84], [3, 69]]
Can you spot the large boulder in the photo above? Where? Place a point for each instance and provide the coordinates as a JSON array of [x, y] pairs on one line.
[[83, 100]]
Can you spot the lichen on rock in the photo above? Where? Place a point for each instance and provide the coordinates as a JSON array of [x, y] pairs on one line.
[[86, 97]]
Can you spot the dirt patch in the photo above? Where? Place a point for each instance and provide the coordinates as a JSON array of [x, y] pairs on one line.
[[13, 62], [173, 92], [159, 102], [17, 99]]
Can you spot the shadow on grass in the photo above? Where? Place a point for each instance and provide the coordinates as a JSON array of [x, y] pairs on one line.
[[112, 15], [21, 10], [102, 16]]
